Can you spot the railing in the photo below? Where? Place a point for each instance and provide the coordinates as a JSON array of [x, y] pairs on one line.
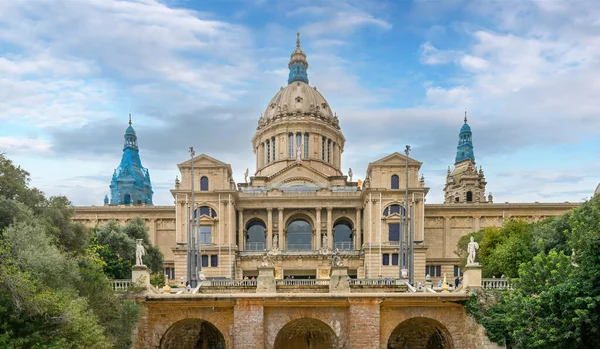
[[230, 283], [299, 247], [255, 246], [344, 246], [394, 242], [302, 282], [120, 285], [373, 282], [496, 284]]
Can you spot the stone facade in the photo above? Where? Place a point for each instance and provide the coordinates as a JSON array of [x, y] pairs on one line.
[[377, 321]]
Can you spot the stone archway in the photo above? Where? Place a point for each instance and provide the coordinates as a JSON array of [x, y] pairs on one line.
[[306, 333], [420, 333], [193, 334]]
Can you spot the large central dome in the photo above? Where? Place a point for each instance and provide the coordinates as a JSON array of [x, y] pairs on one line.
[[298, 125]]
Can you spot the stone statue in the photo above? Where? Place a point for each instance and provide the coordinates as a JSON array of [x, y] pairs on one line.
[[246, 175], [266, 261], [140, 251], [336, 260], [298, 152], [350, 174], [472, 249], [324, 245]]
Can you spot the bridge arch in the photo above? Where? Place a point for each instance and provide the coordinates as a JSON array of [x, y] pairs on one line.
[[420, 332], [305, 333], [192, 334]]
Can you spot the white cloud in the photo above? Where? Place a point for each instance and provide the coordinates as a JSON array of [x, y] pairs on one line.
[[473, 63], [454, 97], [26, 145], [430, 55]]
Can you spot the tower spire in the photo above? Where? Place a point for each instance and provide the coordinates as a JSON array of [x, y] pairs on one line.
[[464, 151], [298, 64], [465, 116], [129, 119]]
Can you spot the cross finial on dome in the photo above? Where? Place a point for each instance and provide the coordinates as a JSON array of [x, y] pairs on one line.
[[465, 116], [129, 119], [298, 39]]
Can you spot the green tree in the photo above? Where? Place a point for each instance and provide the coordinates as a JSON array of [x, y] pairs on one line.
[[556, 299]]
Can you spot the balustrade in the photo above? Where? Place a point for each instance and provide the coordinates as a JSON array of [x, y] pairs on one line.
[[302, 282], [120, 285], [496, 284]]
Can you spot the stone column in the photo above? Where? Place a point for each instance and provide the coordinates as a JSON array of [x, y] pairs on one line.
[[280, 227], [248, 324], [447, 228], [329, 228], [241, 229], [230, 229], [153, 233], [318, 228], [269, 228], [358, 230]]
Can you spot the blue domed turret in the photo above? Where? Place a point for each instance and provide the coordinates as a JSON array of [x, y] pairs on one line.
[[464, 151], [131, 181], [298, 64]]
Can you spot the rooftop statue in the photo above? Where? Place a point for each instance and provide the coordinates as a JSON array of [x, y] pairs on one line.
[[336, 260]]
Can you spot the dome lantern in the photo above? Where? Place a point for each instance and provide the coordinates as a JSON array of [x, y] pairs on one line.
[[298, 64]]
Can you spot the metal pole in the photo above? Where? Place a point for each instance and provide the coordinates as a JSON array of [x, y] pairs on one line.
[[406, 151], [188, 240], [411, 244], [193, 282]]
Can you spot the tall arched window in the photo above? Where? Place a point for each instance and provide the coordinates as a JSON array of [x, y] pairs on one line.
[[342, 235], [306, 145], [268, 146], [273, 147], [256, 236], [291, 145], [329, 150], [395, 182], [299, 236], [205, 210], [469, 196], [127, 199], [204, 183], [395, 208]]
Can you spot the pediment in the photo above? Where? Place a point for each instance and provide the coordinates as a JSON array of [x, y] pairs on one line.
[[298, 173], [203, 160], [394, 159]]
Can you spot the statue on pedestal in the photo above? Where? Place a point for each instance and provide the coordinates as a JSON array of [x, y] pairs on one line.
[[350, 174], [298, 152], [472, 249], [266, 261], [140, 251], [246, 176], [275, 242], [336, 260]]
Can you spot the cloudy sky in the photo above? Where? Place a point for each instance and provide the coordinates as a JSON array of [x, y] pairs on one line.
[[201, 72]]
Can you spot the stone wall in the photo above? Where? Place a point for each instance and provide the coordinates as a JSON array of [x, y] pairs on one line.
[[367, 321]]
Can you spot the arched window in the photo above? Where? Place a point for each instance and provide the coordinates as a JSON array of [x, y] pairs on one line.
[[395, 208], [323, 147], [291, 145], [306, 145], [342, 235], [395, 182], [469, 196], [127, 199], [204, 183], [329, 150], [139, 202], [299, 236], [206, 211], [273, 147], [268, 146], [256, 236]]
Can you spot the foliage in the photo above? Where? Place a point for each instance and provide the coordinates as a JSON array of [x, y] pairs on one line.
[[116, 246], [556, 299], [53, 289]]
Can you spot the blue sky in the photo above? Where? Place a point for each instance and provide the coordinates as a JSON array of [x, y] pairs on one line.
[[396, 73]]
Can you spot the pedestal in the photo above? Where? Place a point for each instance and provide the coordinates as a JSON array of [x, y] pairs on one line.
[[339, 280], [140, 274], [472, 276], [265, 283]]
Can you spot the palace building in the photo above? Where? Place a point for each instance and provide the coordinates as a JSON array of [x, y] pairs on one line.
[[299, 206]]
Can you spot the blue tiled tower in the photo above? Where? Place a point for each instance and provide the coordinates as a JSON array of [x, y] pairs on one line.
[[465, 184], [464, 150], [130, 183]]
